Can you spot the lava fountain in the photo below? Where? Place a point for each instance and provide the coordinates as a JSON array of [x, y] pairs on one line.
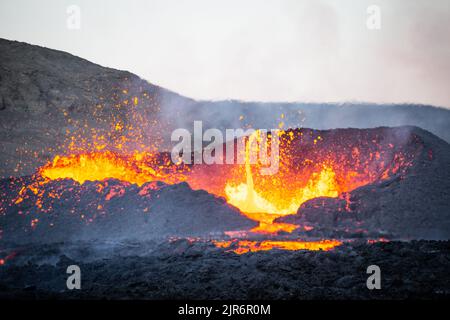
[[311, 164]]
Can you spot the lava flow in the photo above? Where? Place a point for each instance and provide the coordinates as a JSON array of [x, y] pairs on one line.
[[244, 246]]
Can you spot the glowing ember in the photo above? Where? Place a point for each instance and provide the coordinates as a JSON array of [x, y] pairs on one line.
[[245, 246]]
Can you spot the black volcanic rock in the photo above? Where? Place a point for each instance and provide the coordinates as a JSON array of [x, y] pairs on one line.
[[113, 210], [413, 204]]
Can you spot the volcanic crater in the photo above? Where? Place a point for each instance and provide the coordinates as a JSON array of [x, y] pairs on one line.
[[341, 183]]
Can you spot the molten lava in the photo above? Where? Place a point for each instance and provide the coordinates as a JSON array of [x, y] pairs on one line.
[[256, 206], [244, 246], [245, 197], [137, 168]]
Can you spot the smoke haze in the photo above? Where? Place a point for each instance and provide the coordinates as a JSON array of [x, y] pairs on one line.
[[310, 51]]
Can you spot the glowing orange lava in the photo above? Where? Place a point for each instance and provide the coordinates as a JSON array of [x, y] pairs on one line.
[[137, 168], [244, 246], [245, 197]]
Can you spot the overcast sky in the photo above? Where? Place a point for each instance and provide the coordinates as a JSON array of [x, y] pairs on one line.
[[271, 50]]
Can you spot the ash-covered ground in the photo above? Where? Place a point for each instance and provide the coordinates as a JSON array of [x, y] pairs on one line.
[[183, 269]]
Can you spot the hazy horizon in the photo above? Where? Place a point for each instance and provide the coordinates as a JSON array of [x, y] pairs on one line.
[[277, 51]]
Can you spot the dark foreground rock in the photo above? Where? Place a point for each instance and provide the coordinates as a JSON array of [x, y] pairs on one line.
[[197, 270], [111, 209]]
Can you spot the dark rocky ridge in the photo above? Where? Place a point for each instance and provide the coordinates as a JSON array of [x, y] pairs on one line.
[[410, 205], [48, 95]]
